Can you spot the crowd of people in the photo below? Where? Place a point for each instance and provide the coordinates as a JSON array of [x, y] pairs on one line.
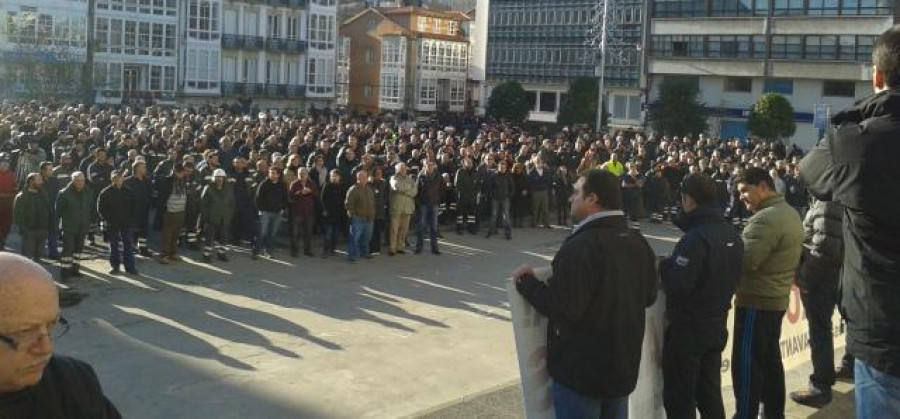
[[210, 180]]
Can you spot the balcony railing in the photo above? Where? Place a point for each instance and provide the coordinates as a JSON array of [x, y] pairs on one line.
[[231, 41], [293, 46], [284, 3], [262, 89]]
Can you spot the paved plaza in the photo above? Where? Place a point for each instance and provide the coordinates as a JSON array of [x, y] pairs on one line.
[[396, 336]]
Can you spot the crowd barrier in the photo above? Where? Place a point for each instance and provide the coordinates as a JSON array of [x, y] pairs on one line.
[[530, 329]]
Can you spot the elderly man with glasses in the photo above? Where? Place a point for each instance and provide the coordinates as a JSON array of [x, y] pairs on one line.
[[35, 383]]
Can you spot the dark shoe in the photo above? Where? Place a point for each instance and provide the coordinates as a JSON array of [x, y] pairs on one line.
[[459, 231], [223, 257], [133, 272], [164, 260], [418, 251], [391, 253], [351, 260], [844, 373], [811, 397], [369, 256], [207, 259], [436, 252], [146, 253], [309, 253], [114, 272], [401, 252], [509, 237], [489, 234], [254, 256], [295, 254], [76, 272]]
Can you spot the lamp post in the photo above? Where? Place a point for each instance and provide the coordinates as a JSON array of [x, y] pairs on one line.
[[604, 19]]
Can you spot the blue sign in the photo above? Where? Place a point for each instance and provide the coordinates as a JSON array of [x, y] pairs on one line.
[[821, 112]]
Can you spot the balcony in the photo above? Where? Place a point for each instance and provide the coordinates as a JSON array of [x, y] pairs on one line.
[[231, 41], [284, 3], [291, 46], [261, 89]]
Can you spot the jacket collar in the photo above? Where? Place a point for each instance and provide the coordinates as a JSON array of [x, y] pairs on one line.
[[771, 202], [605, 219], [699, 216], [883, 103]]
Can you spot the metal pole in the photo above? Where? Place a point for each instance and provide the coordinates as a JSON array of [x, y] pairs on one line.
[[602, 66]]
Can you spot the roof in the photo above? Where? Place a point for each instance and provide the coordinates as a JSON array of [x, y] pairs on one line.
[[455, 15], [403, 30]]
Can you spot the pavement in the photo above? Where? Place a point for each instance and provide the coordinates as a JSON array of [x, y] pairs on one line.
[[404, 336]]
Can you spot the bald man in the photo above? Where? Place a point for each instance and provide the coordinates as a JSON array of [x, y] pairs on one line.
[[34, 383]]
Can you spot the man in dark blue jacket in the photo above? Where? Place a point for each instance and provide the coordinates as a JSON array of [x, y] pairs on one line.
[[699, 280]]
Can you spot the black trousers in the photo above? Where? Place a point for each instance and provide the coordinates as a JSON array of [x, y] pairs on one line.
[[378, 229], [819, 294], [692, 359], [757, 372]]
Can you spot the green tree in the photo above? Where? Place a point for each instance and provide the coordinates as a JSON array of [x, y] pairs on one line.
[[580, 104], [678, 110], [772, 118], [40, 66], [509, 101]]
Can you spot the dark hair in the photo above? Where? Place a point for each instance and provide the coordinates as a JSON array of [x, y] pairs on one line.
[[886, 56], [755, 176], [700, 187], [178, 167], [45, 164], [605, 185]]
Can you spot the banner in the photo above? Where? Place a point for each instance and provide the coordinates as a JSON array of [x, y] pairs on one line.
[[530, 329]]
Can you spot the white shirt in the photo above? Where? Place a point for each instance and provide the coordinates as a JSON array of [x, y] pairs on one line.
[[597, 216]]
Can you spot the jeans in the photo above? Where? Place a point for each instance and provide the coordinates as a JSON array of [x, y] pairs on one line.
[[499, 210], [877, 393], [360, 236], [819, 302], [570, 405], [428, 219], [127, 254], [268, 229]]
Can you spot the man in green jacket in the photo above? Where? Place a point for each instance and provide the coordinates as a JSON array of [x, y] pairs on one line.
[[773, 241], [32, 216], [217, 208], [74, 206]]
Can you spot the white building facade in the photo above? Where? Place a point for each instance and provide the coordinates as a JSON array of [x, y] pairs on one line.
[[48, 31], [812, 53], [135, 51]]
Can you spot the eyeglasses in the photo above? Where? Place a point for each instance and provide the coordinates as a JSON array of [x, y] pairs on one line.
[[29, 338]]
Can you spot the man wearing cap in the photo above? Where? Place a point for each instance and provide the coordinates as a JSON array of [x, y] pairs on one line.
[[74, 206], [217, 206], [7, 195], [32, 217], [116, 208]]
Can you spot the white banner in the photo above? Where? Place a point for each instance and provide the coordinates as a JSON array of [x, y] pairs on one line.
[[530, 329]]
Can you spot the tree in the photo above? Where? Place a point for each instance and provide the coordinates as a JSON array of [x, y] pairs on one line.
[[509, 101], [772, 118], [580, 104], [42, 65], [678, 111]]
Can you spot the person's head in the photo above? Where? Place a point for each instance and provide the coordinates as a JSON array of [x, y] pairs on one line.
[[139, 168], [697, 190], [34, 181], [101, 155], [378, 173], [274, 174], [401, 169], [362, 177], [302, 173], [467, 162], [503, 166], [78, 180], [335, 176], [46, 169], [219, 175], [29, 319], [886, 60], [117, 177], [596, 190], [755, 186]]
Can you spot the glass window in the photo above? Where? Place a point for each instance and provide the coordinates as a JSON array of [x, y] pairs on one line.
[[864, 44], [738, 84], [838, 88], [787, 47], [548, 102], [780, 86], [821, 47], [788, 7]]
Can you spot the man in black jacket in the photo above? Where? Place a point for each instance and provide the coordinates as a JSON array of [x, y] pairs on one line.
[[271, 199], [35, 383], [116, 208], [431, 190], [502, 188], [604, 278], [699, 280], [141, 188], [856, 166]]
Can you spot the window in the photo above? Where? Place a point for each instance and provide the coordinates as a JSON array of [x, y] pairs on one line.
[[143, 38], [390, 90], [836, 88], [273, 68], [780, 86], [229, 69], [203, 20], [454, 27], [250, 71], [457, 94], [427, 92], [738, 84], [292, 25], [788, 7], [320, 75], [821, 47], [423, 24], [202, 69], [787, 47], [321, 32], [679, 8], [822, 8], [547, 102], [275, 25]]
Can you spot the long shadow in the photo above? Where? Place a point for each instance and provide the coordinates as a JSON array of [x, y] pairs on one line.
[[843, 405]]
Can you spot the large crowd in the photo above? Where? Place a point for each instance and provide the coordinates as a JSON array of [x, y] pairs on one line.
[[211, 180]]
